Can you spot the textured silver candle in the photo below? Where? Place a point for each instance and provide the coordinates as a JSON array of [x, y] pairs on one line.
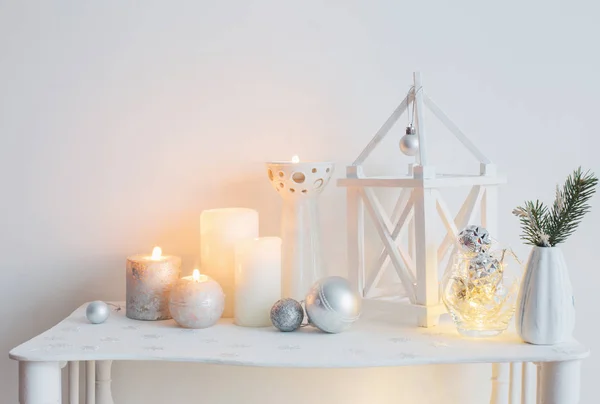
[[149, 281], [331, 305]]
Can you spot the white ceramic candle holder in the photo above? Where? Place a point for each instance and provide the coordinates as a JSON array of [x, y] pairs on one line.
[[299, 184]]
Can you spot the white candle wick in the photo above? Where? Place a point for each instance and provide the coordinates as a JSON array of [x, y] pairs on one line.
[[196, 275], [156, 253], [295, 159]]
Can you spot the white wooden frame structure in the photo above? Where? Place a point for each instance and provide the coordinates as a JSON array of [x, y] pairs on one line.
[[419, 205]]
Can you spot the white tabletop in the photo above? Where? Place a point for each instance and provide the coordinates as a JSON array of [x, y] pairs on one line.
[[369, 343]]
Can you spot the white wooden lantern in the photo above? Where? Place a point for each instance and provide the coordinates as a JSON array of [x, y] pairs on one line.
[[414, 258]]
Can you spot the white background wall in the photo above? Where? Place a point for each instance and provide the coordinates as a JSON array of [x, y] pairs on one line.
[[120, 121]]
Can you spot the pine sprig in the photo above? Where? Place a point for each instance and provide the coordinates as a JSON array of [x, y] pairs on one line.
[[548, 227], [533, 221]]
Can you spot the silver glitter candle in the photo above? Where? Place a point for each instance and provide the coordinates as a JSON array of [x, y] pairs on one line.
[[149, 281]]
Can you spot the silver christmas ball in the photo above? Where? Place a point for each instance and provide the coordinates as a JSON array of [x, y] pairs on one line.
[[484, 269], [409, 143], [331, 305], [474, 239], [287, 315], [97, 312]]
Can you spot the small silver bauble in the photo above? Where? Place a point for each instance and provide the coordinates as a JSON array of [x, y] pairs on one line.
[[484, 269], [331, 305], [409, 143], [474, 239], [97, 312], [287, 315]]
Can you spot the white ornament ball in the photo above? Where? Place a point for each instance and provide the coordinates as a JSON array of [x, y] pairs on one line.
[[331, 305], [409, 144], [97, 312]]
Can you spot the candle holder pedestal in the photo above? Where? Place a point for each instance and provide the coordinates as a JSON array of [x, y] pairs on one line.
[[299, 185]]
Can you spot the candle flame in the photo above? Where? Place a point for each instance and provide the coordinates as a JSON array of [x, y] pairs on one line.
[[196, 275], [156, 253], [295, 159]]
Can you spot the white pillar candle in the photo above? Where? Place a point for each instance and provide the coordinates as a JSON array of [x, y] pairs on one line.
[[149, 279], [196, 301], [220, 229], [257, 280]]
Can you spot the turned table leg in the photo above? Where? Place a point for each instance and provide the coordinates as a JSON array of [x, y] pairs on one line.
[[39, 383], [500, 383], [90, 382], [103, 381], [559, 382], [74, 382]]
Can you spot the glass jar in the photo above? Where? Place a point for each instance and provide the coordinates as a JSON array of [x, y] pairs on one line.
[[480, 291]]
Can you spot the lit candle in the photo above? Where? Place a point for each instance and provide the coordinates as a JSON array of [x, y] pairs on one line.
[[149, 279], [257, 280], [196, 301], [220, 229]]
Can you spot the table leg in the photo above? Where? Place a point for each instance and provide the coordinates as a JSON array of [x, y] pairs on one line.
[[559, 382], [500, 383], [39, 383], [103, 381], [90, 382], [529, 385], [515, 383], [74, 382]]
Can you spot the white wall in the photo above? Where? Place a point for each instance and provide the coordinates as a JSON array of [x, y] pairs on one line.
[[120, 121]]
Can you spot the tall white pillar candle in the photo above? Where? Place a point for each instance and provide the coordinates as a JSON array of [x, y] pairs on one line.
[[220, 229], [257, 280]]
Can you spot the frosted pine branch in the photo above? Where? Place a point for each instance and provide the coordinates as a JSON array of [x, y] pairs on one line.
[[547, 227]]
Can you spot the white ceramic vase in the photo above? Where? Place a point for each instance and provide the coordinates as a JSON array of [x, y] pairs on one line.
[[546, 307]]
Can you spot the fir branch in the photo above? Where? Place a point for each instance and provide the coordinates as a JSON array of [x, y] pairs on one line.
[[547, 227], [570, 205], [533, 222]]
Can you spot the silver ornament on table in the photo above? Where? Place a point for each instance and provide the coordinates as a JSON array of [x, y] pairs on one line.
[[484, 269], [474, 239], [97, 312], [331, 305], [409, 143], [287, 315]]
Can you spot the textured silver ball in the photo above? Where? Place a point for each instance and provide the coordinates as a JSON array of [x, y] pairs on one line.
[[474, 239], [409, 144], [97, 312], [287, 315], [484, 269], [331, 305]]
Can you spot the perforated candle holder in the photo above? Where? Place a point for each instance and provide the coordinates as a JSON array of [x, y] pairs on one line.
[[299, 184]]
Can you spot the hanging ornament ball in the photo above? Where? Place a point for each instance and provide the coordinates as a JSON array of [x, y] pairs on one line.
[[409, 143], [287, 315], [485, 270], [331, 305], [97, 312], [474, 239]]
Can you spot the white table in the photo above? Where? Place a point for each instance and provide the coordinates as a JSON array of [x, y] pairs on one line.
[[369, 343]]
